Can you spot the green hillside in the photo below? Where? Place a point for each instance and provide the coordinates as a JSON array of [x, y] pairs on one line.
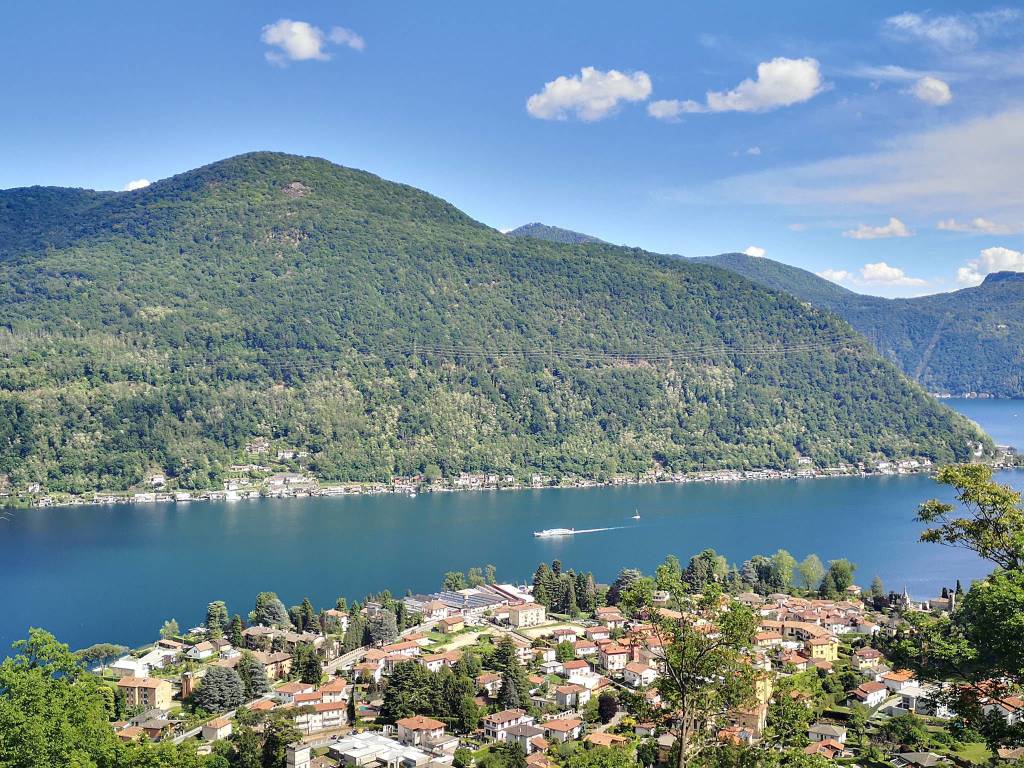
[[971, 340], [540, 231], [385, 332]]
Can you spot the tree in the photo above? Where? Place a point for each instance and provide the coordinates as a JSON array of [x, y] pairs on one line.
[[475, 577], [221, 689], [668, 577], [490, 574], [102, 653], [994, 528], [235, 636], [307, 664], [841, 572], [622, 583], [278, 733], [602, 757], [354, 633], [308, 616], [270, 611], [454, 581], [169, 630], [565, 651], [217, 618], [811, 572], [462, 758], [788, 718], [382, 627], [253, 676], [877, 590], [783, 565], [607, 706], [981, 645], [704, 675], [705, 568]]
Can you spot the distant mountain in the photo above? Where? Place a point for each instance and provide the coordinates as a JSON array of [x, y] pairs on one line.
[[971, 340], [382, 332], [539, 231]]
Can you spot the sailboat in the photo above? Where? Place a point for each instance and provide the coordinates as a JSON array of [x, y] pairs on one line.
[[636, 514]]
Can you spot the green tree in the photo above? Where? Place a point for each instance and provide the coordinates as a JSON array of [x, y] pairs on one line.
[[454, 581], [382, 627], [307, 664], [170, 630], [602, 757], [475, 577], [221, 689], [308, 616], [668, 576], [235, 636], [565, 651], [981, 645], [270, 611], [217, 618], [811, 572], [490, 574], [253, 676], [783, 566], [705, 675], [102, 653]]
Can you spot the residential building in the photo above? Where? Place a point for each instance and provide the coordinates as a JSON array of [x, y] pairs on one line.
[[419, 730], [496, 726], [146, 692], [526, 615]]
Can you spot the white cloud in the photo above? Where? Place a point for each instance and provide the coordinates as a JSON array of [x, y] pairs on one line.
[[895, 228], [956, 32], [134, 184], [301, 41], [978, 226], [836, 275], [753, 151], [932, 91], [591, 95], [754, 250], [990, 260], [881, 273], [971, 165], [883, 72], [780, 82], [797, 227], [343, 36]]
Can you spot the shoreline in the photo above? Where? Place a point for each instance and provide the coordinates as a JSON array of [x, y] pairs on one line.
[[312, 489]]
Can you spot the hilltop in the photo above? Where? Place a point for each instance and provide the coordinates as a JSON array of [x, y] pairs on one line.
[[540, 231], [382, 332], [971, 340]]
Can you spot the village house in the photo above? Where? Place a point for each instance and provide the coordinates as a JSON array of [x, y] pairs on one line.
[[562, 730], [526, 615], [496, 726], [613, 657], [419, 731], [598, 633], [286, 693], [638, 675], [217, 729], [823, 731], [564, 635], [529, 737], [489, 682], [897, 681], [870, 694], [451, 624], [324, 716], [866, 658], [146, 692], [584, 648], [571, 696]]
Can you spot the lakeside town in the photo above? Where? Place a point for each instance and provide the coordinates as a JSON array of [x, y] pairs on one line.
[[281, 472], [501, 674]]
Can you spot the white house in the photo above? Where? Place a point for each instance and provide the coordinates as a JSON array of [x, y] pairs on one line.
[[496, 726], [638, 675]]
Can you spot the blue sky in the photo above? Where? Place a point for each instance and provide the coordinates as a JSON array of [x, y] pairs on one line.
[[876, 143]]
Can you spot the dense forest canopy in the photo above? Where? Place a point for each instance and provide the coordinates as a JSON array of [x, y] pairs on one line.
[[383, 331], [971, 340]]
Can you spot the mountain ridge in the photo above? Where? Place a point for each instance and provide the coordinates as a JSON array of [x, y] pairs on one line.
[[383, 332]]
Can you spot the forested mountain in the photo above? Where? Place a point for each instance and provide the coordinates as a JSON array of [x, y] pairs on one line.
[[385, 332], [971, 340], [540, 231]]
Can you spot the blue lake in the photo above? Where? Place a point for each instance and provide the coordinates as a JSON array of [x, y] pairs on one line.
[[115, 573]]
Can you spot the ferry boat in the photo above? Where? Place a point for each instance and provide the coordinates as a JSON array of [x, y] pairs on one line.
[[552, 532]]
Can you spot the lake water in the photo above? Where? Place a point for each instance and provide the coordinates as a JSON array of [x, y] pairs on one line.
[[115, 573]]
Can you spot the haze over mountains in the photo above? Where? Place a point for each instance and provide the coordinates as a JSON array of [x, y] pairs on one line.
[[384, 332], [966, 341]]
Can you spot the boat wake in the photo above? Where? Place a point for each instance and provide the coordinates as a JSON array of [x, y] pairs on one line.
[[553, 533]]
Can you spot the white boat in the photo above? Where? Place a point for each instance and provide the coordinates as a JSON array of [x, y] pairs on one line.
[[552, 532], [636, 514]]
